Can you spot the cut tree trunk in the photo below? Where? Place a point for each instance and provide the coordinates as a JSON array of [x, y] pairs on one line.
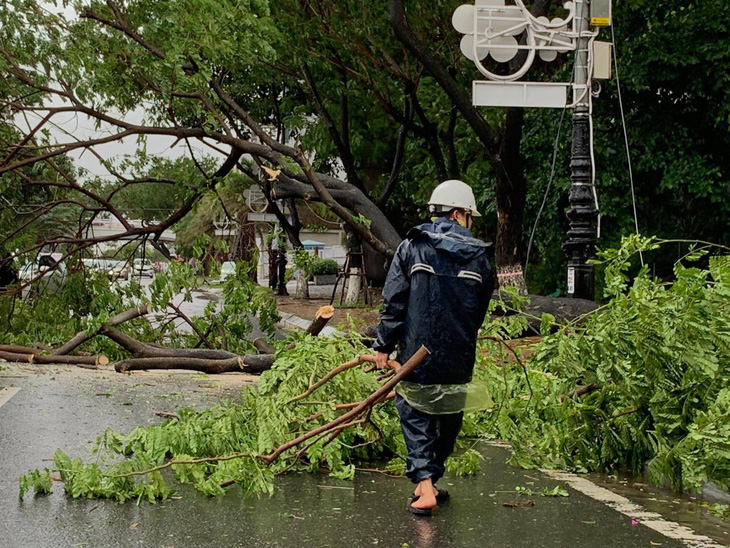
[[322, 316], [46, 359], [241, 364]]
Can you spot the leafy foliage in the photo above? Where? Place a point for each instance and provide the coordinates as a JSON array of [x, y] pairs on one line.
[[658, 356], [323, 267], [673, 65], [654, 365], [89, 299], [253, 426]]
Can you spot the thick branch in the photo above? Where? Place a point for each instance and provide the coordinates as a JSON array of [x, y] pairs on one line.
[[142, 350], [83, 336], [46, 359], [368, 402], [451, 87], [241, 364]]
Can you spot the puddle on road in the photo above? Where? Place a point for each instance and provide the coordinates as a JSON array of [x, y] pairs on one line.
[[684, 509]]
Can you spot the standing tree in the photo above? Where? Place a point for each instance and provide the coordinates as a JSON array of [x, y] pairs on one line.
[[353, 109]]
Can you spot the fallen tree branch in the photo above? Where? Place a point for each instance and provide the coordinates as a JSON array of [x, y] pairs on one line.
[[367, 403], [18, 349], [341, 406], [256, 363], [264, 347], [167, 415], [333, 428], [83, 336], [587, 389], [190, 322], [519, 360], [46, 359], [144, 350], [246, 364], [175, 462], [365, 358]]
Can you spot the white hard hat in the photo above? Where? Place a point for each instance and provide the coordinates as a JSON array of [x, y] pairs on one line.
[[454, 194]]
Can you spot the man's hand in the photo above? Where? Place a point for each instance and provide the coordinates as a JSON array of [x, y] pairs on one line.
[[381, 360]]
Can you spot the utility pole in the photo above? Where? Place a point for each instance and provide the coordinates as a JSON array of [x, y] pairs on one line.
[[581, 243], [496, 31]]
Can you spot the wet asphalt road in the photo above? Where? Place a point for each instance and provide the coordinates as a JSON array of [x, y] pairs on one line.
[[67, 408]]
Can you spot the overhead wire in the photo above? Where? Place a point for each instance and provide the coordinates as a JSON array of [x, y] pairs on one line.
[[626, 138], [547, 190]]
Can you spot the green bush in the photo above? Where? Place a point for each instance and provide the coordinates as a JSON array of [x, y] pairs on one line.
[[323, 267]]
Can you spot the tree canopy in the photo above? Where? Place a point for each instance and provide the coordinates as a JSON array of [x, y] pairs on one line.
[[362, 107]]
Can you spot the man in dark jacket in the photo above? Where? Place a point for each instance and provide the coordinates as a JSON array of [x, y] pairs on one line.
[[436, 294]]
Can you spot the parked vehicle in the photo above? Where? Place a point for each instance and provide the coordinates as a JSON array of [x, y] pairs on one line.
[[142, 267], [52, 274], [94, 264], [118, 269], [228, 268], [27, 272], [113, 269]]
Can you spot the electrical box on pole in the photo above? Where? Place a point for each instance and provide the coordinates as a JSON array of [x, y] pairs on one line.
[[601, 60], [601, 15]]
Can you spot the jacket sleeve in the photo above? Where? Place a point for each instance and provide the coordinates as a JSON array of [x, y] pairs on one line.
[[395, 296], [486, 290]]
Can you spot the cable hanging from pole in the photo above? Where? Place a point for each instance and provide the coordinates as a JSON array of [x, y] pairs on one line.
[[626, 139]]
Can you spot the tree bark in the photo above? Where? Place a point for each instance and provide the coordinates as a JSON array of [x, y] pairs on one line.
[[321, 318], [46, 359], [142, 350], [18, 349], [83, 336], [263, 347], [244, 248], [355, 200], [241, 364], [511, 194]]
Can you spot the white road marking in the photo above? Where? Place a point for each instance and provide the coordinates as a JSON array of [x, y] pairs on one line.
[[6, 394], [621, 504]]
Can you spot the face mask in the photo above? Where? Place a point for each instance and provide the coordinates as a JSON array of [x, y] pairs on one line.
[[466, 221]]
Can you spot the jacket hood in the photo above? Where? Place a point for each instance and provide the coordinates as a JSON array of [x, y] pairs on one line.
[[450, 237]]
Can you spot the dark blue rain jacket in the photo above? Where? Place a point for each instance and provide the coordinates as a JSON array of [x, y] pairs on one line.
[[436, 294]]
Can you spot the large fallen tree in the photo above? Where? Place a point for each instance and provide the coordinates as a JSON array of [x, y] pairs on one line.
[[642, 386], [155, 356], [273, 436]]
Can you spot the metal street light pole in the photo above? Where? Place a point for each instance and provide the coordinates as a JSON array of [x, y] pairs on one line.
[[581, 243], [497, 31]]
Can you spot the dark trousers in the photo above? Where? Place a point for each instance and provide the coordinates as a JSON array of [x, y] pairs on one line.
[[429, 440]]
